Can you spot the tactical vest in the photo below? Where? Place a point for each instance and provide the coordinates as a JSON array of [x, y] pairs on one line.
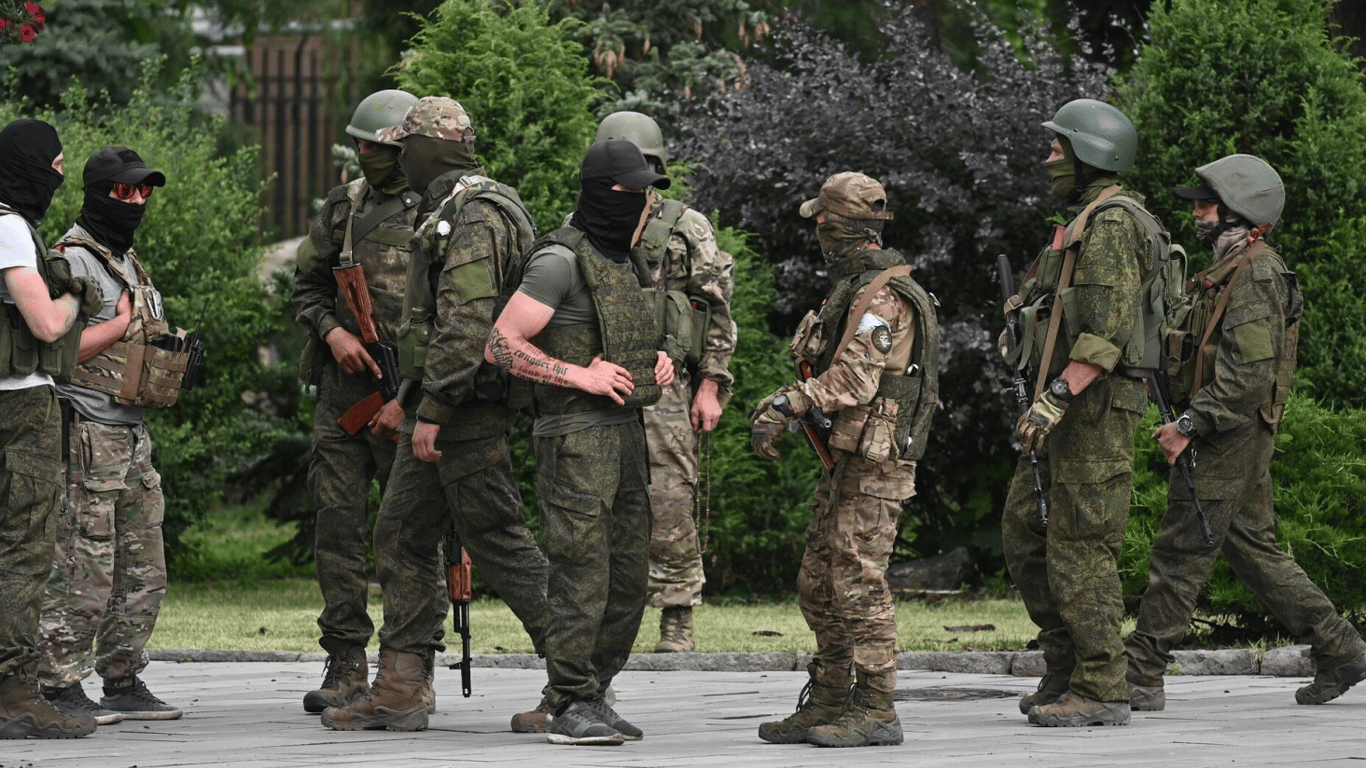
[[380, 241], [1142, 350], [430, 241], [141, 369], [625, 333], [1193, 342], [908, 390], [22, 353]]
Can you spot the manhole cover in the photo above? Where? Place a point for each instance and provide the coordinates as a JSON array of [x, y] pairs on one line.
[[951, 694]]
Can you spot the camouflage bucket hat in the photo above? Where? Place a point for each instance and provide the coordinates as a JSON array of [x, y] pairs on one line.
[[435, 116], [851, 195]]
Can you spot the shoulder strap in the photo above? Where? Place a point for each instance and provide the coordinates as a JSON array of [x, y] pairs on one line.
[[866, 300], [357, 230], [106, 258], [1217, 316]]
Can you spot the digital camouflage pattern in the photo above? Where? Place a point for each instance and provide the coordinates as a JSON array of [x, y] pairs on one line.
[[1234, 446], [108, 576], [595, 524], [30, 441], [1067, 572], [343, 465], [434, 116], [692, 263]]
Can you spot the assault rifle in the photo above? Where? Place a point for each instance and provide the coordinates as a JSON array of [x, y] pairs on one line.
[[814, 423], [1021, 384], [460, 579], [352, 285], [1185, 462]]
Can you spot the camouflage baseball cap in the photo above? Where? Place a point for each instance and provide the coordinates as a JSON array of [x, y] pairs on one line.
[[435, 116], [849, 194]]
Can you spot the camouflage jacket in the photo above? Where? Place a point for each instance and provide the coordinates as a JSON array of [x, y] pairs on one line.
[[383, 254], [695, 265], [1251, 344]]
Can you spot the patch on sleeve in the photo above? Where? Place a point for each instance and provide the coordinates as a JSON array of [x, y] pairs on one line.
[[882, 339], [868, 322]]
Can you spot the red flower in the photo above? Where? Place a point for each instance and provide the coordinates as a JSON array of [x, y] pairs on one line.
[[4, 22], [33, 8], [27, 34], [40, 19]]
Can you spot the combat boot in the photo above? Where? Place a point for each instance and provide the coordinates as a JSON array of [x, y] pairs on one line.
[[1147, 698], [537, 720], [1330, 684], [817, 704], [1051, 687], [428, 690], [24, 712], [675, 630], [346, 676], [869, 721], [394, 700], [1071, 710]]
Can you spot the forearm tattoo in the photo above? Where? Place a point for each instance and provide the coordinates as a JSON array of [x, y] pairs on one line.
[[498, 346], [527, 364]]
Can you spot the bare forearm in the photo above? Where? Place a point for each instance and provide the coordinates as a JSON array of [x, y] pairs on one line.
[[525, 360]]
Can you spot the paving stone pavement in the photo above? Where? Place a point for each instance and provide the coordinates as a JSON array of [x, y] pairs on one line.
[[247, 714]]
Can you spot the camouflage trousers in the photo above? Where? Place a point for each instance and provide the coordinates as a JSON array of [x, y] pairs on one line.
[[109, 572], [1233, 479], [595, 522], [339, 475], [676, 575], [472, 485], [842, 588], [31, 487], [1067, 573]]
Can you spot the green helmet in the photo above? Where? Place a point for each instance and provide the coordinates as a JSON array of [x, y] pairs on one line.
[[1101, 136], [382, 109], [1248, 185], [640, 130]]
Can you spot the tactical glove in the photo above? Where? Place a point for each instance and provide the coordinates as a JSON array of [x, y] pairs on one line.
[[764, 427], [58, 274], [87, 292], [1035, 424]]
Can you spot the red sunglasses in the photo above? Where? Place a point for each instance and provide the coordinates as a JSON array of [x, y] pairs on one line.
[[125, 191]]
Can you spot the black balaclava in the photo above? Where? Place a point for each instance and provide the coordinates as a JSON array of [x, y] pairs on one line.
[[425, 158], [382, 171], [109, 220], [27, 179], [608, 217]]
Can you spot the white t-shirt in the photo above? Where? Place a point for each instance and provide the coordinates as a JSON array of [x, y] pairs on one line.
[[16, 250]]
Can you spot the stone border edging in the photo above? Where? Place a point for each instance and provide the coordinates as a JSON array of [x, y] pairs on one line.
[[1285, 661]]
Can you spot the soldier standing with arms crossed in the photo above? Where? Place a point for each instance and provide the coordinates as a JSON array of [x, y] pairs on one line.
[[873, 352], [365, 226], [1243, 329], [678, 252]]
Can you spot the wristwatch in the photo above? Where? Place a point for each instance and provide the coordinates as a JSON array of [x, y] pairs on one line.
[[1058, 388], [1186, 425]]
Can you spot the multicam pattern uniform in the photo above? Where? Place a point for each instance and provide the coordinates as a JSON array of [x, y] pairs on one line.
[[1067, 573], [692, 263], [1232, 477], [109, 571], [342, 464], [842, 587], [472, 484]]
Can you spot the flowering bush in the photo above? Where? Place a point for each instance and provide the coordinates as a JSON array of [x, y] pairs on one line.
[[20, 22]]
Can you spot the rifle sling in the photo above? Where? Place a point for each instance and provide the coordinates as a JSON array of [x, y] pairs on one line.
[[1218, 314], [866, 300], [357, 230]]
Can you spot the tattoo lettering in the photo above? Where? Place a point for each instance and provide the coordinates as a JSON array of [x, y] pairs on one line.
[[498, 345]]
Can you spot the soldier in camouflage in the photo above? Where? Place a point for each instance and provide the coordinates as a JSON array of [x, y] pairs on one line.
[[581, 328], [871, 351], [453, 463], [1243, 327], [109, 572], [368, 221], [1066, 570], [678, 252]]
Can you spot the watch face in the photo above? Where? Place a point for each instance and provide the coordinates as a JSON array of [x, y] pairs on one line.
[[1061, 390], [1185, 425]]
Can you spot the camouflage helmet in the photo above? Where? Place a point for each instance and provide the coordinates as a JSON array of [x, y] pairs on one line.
[[379, 110], [851, 195], [434, 116], [639, 129], [1248, 185], [1101, 136]]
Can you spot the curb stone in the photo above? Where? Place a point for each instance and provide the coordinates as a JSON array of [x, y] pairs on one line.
[[1285, 661]]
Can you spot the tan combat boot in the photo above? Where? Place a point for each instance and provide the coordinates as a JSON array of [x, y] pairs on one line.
[[537, 720], [346, 676], [428, 691], [24, 712], [675, 630], [394, 701], [1051, 687], [1075, 711], [869, 721], [817, 704]]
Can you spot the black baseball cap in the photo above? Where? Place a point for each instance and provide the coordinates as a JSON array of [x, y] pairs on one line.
[[120, 165], [1202, 192], [620, 162]]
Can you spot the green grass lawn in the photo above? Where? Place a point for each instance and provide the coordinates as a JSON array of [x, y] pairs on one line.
[[224, 595]]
